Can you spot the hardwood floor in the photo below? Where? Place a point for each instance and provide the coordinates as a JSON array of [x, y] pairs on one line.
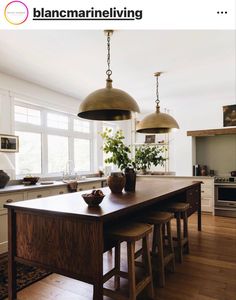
[[208, 272]]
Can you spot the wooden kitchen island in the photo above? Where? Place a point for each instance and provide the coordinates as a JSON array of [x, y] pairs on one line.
[[63, 235]]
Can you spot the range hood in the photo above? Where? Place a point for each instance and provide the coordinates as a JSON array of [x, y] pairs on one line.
[[212, 132]]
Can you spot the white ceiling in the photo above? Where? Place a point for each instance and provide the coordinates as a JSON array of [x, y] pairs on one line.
[[197, 63]]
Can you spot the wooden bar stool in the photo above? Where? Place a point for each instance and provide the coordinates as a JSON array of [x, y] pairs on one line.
[[162, 253], [130, 233], [180, 211]]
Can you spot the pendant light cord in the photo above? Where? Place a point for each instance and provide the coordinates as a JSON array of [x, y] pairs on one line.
[[109, 71], [157, 92]]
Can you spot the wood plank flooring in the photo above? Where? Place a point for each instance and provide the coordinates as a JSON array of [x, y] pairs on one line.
[[208, 272]]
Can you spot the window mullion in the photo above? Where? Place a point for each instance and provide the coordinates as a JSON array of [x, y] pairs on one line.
[[44, 143]]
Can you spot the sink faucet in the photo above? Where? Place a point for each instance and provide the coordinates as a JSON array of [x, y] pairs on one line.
[[70, 168]]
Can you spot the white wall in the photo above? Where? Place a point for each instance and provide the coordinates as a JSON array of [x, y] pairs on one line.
[[198, 113]]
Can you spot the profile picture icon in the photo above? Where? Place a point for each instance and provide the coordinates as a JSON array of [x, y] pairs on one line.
[[16, 12]]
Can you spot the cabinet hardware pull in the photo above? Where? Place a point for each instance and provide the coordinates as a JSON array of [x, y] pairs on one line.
[[9, 201], [39, 196], [61, 192], [80, 189], [94, 187]]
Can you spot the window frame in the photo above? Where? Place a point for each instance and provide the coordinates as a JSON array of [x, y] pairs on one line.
[[44, 130]]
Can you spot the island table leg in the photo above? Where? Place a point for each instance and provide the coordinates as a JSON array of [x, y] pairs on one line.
[[11, 255]]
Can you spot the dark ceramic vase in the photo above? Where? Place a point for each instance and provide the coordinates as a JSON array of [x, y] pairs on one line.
[[116, 182], [4, 178], [130, 176]]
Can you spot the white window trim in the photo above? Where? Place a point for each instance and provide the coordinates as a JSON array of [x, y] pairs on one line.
[[45, 131]]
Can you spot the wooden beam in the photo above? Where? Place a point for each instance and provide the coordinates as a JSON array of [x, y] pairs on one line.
[[210, 132]]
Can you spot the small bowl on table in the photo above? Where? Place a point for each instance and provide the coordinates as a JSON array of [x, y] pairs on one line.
[[92, 200], [30, 180]]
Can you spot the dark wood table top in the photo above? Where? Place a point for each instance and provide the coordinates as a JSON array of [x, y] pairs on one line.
[[147, 191]]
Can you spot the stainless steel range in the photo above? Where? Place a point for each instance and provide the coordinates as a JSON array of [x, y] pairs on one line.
[[225, 196]]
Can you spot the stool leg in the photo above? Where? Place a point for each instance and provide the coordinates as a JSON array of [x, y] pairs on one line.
[[179, 237], [163, 233], [117, 267], [185, 221], [154, 240], [147, 265], [170, 244], [160, 256], [131, 270]]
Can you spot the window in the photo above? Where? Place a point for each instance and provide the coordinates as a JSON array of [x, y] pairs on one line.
[[57, 121], [81, 126], [82, 155], [57, 153], [27, 115], [28, 160], [59, 143]]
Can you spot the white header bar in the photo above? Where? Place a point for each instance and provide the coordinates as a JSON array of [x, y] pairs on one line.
[[117, 14]]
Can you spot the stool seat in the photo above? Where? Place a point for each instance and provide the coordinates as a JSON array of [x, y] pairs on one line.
[[157, 217], [178, 207], [129, 232]]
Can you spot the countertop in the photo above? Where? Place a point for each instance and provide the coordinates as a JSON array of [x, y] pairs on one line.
[[22, 187], [112, 204]]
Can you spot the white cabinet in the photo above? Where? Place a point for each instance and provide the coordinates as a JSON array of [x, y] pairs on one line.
[[207, 195], [6, 198]]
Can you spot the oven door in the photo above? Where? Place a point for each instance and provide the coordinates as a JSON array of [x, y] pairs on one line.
[[225, 195]]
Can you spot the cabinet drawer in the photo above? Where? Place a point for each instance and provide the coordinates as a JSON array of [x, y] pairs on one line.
[[38, 194], [89, 186], [9, 198], [59, 191]]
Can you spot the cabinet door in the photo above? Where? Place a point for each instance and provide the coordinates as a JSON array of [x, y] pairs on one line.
[[3, 231], [193, 198], [207, 195], [6, 198]]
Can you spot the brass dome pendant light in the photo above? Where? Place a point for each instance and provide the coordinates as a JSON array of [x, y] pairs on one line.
[[157, 122], [108, 103]]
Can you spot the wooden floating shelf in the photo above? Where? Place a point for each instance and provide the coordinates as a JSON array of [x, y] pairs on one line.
[[211, 132]]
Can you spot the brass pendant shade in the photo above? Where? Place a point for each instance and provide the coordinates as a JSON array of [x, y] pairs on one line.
[[108, 104], [157, 122]]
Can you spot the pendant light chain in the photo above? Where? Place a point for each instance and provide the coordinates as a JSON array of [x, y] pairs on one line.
[[109, 71], [157, 92]]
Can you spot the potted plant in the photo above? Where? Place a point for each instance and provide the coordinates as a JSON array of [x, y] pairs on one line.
[[147, 155], [119, 156]]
